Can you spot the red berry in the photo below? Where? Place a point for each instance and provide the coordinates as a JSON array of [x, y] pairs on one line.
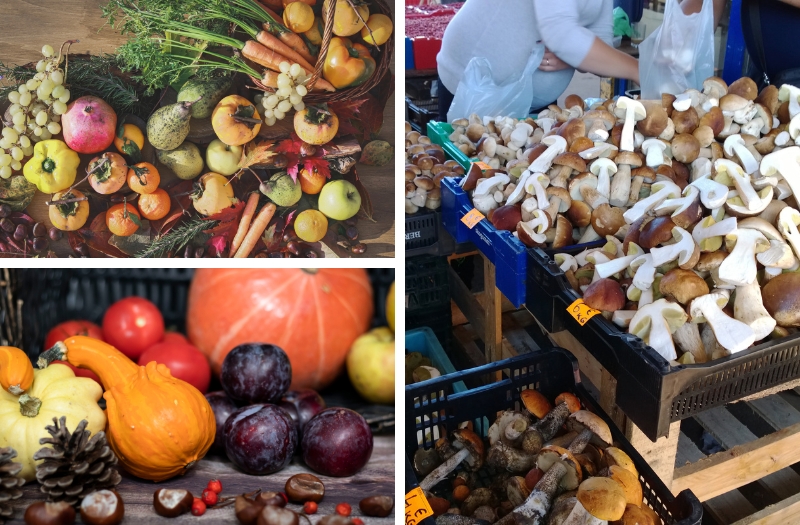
[[209, 497], [310, 507], [215, 485], [343, 509], [198, 507], [357, 521]]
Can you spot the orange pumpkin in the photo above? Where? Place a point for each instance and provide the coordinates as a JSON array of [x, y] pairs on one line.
[[314, 315], [235, 120], [158, 426], [16, 370]]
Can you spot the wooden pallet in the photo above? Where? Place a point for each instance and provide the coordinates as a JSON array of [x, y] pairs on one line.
[[751, 479]]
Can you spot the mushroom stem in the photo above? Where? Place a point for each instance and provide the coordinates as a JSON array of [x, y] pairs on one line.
[[443, 470], [549, 424], [580, 516], [749, 309], [731, 334], [620, 186], [510, 459], [687, 337], [579, 443], [535, 508]]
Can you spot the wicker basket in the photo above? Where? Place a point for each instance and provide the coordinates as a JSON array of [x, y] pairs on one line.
[[383, 61]]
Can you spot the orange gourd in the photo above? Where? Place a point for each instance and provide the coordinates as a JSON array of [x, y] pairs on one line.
[[158, 426], [16, 370], [313, 315]]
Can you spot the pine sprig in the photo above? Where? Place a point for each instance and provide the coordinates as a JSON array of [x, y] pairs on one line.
[[177, 239]]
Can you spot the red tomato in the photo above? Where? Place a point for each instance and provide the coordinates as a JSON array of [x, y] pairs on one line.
[[174, 337], [184, 361], [133, 325], [67, 329]]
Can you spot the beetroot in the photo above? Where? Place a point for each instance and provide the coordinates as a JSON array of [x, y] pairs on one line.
[[89, 125]]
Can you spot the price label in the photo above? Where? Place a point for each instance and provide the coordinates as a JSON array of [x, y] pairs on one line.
[[417, 507], [482, 165], [472, 217], [581, 311]]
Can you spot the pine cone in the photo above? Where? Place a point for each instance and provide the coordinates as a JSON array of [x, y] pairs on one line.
[[9, 482], [76, 465]]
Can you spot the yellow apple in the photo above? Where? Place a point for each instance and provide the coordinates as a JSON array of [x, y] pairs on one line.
[[370, 365], [390, 307]]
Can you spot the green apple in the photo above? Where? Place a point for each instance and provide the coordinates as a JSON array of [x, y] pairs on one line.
[[223, 159], [339, 200], [370, 365]]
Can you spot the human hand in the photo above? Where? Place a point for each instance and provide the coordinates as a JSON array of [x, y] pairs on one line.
[[550, 62]]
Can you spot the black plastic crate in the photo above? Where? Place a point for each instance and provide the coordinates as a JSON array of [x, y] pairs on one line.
[[437, 318], [426, 236], [550, 372], [420, 112], [426, 283], [650, 391]]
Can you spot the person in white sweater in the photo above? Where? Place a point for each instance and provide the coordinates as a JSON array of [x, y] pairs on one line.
[[576, 34]]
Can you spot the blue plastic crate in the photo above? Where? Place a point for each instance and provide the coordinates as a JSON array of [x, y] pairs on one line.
[[409, 53], [507, 253], [423, 340]]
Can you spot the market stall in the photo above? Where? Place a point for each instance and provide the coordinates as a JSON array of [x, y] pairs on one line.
[[185, 428], [639, 235], [330, 198]]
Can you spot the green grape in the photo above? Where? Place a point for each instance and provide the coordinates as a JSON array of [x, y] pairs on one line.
[[300, 106], [279, 114], [37, 131], [46, 135], [65, 97], [14, 109], [284, 67], [54, 128], [19, 119], [5, 143], [22, 89], [57, 77], [270, 121], [268, 113], [284, 106], [5, 172], [41, 118], [258, 98], [5, 159], [11, 134], [25, 99], [47, 50], [271, 101], [16, 165], [40, 76], [48, 84], [40, 65], [284, 92], [301, 90], [284, 80], [295, 98], [19, 128], [58, 91], [296, 70], [28, 150], [59, 107], [13, 97], [24, 141], [32, 84], [16, 153]]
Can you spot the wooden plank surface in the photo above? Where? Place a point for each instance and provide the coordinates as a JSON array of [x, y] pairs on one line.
[[781, 513], [729, 507], [740, 465], [776, 411], [26, 25], [376, 478], [687, 451]]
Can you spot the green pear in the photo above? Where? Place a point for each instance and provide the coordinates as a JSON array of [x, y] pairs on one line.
[[185, 160], [169, 125], [281, 189], [210, 92]]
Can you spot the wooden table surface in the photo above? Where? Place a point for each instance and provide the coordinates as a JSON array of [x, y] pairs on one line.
[[376, 478], [26, 25]]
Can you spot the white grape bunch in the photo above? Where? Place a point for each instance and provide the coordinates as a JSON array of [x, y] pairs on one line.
[[36, 109], [288, 96]]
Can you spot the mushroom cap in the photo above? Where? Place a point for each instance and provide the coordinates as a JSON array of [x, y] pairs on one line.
[[655, 232], [425, 460], [583, 419], [563, 232], [535, 403], [586, 179], [581, 144], [605, 295], [572, 401], [732, 102], [685, 147], [603, 498], [769, 98], [682, 285], [781, 298], [710, 260], [603, 163], [573, 160], [563, 195], [744, 87], [713, 119], [607, 219], [630, 484], [615, 456], [464, 438], [574, 100], [715, 83], [655, 121], [579, 214], [552, 454], [646, 172], [602, 115], [623, 103], [571, 130], [718, 296], [424, 182], [517, 490], [506, 217], [634, 515], [628, 157], [685, 121]]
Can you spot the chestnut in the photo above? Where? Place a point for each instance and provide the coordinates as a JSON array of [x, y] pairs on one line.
[[378, 506], [271, 498], [247, 510], [42, 513], [304, 487], [172, 502], [103, 507], [272, 515]]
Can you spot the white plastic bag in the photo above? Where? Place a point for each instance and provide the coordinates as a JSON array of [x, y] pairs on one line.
[[679, 54], [479, 93]]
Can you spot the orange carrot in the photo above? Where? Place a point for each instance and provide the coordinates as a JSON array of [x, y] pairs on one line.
[[244, 224], [292, 40], [261, 55], [255, 231], [271, 42], [275, 16]]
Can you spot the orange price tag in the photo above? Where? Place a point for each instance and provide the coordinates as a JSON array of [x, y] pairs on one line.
[[472, 217], [581, 312], [417, 507], [482, 165]]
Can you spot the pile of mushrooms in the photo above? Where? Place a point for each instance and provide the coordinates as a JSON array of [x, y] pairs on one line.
[[543, 464], [696, 197], [425, 168]]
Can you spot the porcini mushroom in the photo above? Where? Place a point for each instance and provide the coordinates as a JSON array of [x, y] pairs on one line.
[[536, 185], [469, 450], [654, 149], [600, 500], [685, 210], [602, 167], [748, 307], [731, 334], [788, 221], [660, 191], [712, 194], [633, 111], [685, 250], [588, 426], [739, 267], [791, 94], [734, 145], [786, 162], [556, 146], [654, 323]]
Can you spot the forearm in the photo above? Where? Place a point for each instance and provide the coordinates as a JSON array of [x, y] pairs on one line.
[[793, 3], [694, 6], [606, 61]]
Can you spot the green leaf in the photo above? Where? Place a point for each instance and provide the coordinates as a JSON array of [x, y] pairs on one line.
[[16, 192]]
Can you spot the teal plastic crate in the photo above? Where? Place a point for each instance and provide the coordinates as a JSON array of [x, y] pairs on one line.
[[424, 341], [439, 133]]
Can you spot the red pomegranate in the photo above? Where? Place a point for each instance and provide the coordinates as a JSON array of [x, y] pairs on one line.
[[313, 315], [89, 125]]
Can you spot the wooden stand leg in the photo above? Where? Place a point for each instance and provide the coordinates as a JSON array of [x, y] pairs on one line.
[[493, 313]]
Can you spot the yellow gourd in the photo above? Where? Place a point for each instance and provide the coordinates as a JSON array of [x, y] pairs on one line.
[[55, 392], [158, 426]]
